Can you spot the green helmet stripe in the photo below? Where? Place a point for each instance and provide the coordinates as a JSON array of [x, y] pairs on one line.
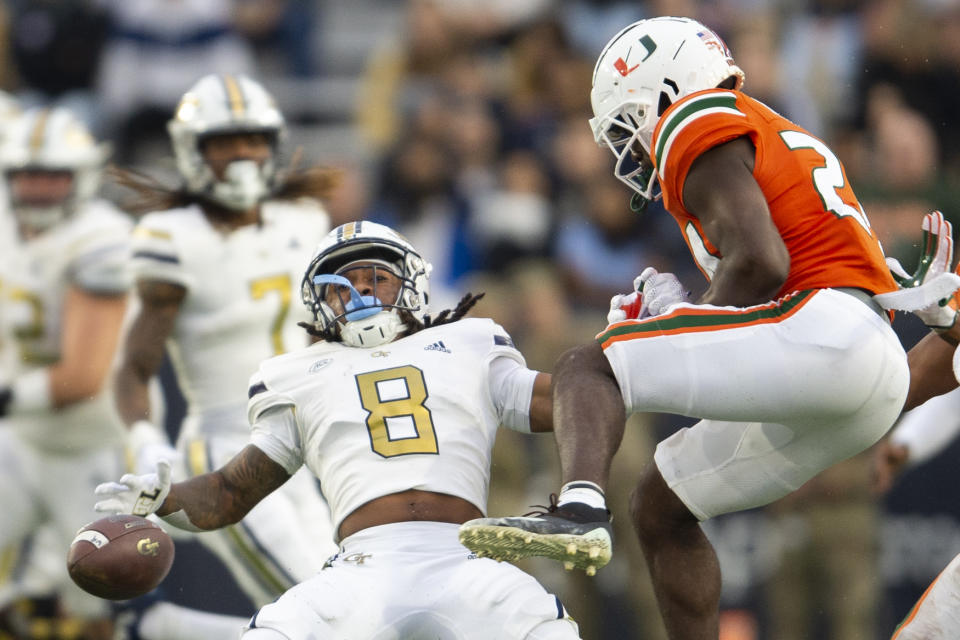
[[689, 112]]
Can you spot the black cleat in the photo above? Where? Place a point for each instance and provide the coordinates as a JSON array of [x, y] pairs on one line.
[[579, 536]]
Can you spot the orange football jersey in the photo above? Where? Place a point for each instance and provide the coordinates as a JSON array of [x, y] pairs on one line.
[[819, 218]]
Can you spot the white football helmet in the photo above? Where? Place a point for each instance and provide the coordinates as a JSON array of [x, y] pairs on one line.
[[366, 321], [643, 70], [224, 104], [9, 109], [52, 140]]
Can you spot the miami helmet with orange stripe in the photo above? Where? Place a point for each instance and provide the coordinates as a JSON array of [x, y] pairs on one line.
[[220, 104], [643, 70]]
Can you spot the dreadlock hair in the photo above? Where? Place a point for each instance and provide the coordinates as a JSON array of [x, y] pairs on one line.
[[444, 317], [152, 195], [447, 316]]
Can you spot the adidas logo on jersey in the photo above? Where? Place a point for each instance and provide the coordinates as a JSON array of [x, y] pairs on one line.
[[437, 346]]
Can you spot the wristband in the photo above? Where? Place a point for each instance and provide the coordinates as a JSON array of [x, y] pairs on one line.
[[30, 392], [181, 520]]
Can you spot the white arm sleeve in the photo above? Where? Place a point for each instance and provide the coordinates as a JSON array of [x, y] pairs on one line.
[[928, 429], [276, 434], [511, 388]]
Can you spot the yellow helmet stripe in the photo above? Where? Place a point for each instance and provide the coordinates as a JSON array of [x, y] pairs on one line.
[[234, 95], [349, 230], [38, 133]]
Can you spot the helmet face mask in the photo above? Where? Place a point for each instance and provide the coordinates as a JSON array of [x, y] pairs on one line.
[[365, 320], [643, 70], [223, 106], [51, 164], [620, 133]]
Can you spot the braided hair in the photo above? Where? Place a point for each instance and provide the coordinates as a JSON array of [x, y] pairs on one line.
[[447, 316]]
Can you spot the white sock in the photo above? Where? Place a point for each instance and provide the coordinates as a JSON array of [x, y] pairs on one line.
[[588, 493], [168, 621]]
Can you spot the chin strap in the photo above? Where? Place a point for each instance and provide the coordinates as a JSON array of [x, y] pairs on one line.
[[379, 329], [243, 188]]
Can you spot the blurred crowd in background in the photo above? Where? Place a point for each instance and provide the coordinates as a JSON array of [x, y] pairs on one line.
[[463, 123]]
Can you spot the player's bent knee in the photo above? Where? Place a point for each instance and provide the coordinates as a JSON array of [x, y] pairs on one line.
[[559, 629], [586, 357]]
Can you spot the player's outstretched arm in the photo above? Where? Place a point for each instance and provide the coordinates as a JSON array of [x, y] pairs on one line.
[[142, 356], [225, 496], [541, 404], [209, 501], [144, 347], [889, 460], [931, 367]]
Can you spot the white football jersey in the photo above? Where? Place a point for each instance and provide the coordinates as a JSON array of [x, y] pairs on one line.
[[417, 413], [89, 251], [243, 298]]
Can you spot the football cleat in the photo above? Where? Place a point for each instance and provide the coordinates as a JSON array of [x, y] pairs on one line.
[[577, 535]]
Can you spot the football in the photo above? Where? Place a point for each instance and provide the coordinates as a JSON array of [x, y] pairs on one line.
[[120, 557]]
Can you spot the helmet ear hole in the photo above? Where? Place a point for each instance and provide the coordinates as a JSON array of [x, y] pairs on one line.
[[729, 83], [664, 104]]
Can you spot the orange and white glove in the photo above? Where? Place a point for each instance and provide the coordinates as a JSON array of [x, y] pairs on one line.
[[660, 291], [930, 292], [653, 293], [625, 306]]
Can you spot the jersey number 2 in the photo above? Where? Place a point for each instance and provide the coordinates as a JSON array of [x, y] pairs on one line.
[[828, 178], [29, 333], [398, 422]]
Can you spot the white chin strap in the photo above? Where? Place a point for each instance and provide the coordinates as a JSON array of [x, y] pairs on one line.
[[378, 329], [243, 187]]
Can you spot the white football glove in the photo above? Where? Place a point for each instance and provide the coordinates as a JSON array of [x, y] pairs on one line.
[[660, 291], [149, 446], [652, 293], [930, 292], [139, 495]]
